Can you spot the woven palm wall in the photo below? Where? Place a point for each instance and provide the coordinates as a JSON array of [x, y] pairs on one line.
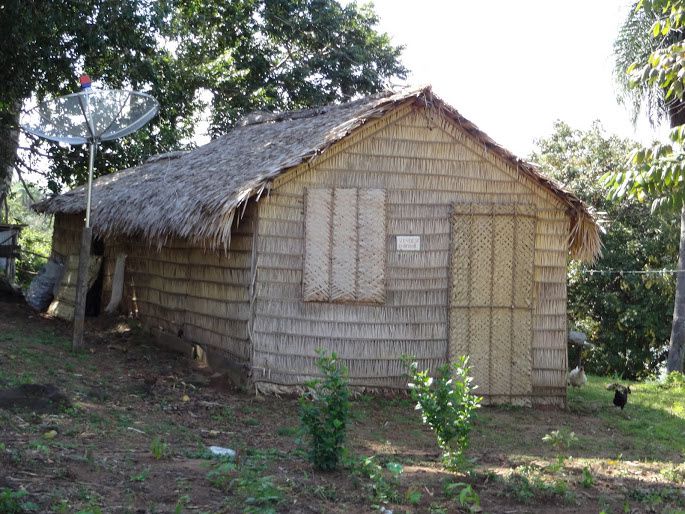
[[66, 240], [424, 164], [180, 288], [66, 236]]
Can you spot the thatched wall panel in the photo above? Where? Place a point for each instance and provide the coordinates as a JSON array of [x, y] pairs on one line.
[[549, 378], [359, 368], [279, 261], [356, 331], [412, 212], [367, 349], [66, 236], [183, 288], [356, 313], [423, 173], [411, 133]]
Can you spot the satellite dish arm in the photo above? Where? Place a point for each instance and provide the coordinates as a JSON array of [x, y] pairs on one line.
[[89, 122], [114, 118]]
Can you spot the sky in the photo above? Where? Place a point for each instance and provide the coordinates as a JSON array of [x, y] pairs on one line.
[[513, 67]]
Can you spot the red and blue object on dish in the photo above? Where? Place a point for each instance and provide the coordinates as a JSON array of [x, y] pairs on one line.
[[85, 81]]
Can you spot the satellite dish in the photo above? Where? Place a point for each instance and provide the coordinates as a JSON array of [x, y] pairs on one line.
[[90, 116]]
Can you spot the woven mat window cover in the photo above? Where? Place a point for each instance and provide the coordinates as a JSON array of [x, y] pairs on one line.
[[344, 257]]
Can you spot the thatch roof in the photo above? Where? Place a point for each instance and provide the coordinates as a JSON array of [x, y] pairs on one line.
[[196, 195]]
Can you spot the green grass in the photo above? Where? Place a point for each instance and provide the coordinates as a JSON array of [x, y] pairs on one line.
[[654, 417]]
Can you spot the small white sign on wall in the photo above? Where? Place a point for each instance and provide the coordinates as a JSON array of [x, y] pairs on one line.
[[408, 243]]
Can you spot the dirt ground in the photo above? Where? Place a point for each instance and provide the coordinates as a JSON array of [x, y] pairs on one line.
[[132, 426]]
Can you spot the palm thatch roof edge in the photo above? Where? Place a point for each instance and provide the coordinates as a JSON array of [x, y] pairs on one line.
[[196, 195]]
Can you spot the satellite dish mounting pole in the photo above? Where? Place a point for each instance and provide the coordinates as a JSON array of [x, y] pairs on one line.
[[84, 260], [87, 234], [89, 117]]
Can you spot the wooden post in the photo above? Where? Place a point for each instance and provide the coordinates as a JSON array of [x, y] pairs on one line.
[[81, 288]]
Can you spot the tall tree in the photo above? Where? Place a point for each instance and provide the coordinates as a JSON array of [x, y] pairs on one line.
[[46, 45], [623, 314], [652, 41], [281, 54], [231, 57]]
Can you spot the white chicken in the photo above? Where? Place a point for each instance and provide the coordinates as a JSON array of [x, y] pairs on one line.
[[577, 377]]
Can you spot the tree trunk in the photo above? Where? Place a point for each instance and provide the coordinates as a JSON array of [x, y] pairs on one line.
[[676, 350], [9, 143]]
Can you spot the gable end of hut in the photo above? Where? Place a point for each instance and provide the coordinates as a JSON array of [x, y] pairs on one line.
[[424, 163]]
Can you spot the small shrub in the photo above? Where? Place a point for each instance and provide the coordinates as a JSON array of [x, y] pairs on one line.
[[587, 479], [413, 497], [324, 411], [674, 473], [528, 483], [674, 380], [262, 495], [381, 489], [141, 477], [447, 405], [11, 502], [159, 448], [561, 439], [222, 475], [465, 494], [181, 504]]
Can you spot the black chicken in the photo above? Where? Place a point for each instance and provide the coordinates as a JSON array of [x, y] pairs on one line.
[[621, 396]]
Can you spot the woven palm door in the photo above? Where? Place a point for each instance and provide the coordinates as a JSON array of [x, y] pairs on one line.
[[491, 304]]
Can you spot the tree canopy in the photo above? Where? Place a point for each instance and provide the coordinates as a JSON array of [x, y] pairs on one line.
[[657, 173], [198, 58], [626, 315]]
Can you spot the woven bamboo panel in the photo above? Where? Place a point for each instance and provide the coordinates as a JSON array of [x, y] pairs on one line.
[[65, 299], [317, 262], [492, 256], [344, 247], [372, 254], [481, 270], [66, 237], [344, 239]]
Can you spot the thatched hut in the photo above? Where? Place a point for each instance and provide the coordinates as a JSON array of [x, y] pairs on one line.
[[386, 226]]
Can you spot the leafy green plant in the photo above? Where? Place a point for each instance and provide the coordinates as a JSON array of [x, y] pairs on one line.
[[225, 414], [181, 504], [674, 473], [287, 431], [587, 480], [674, 380], [61, 507], [413, 497], [561, 439], [159, 448], [140, 477], [380, 488], [528, 483], [447, 405], [464, 493], [12, 502], [262, 495], [222, 474], [324, 412]]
